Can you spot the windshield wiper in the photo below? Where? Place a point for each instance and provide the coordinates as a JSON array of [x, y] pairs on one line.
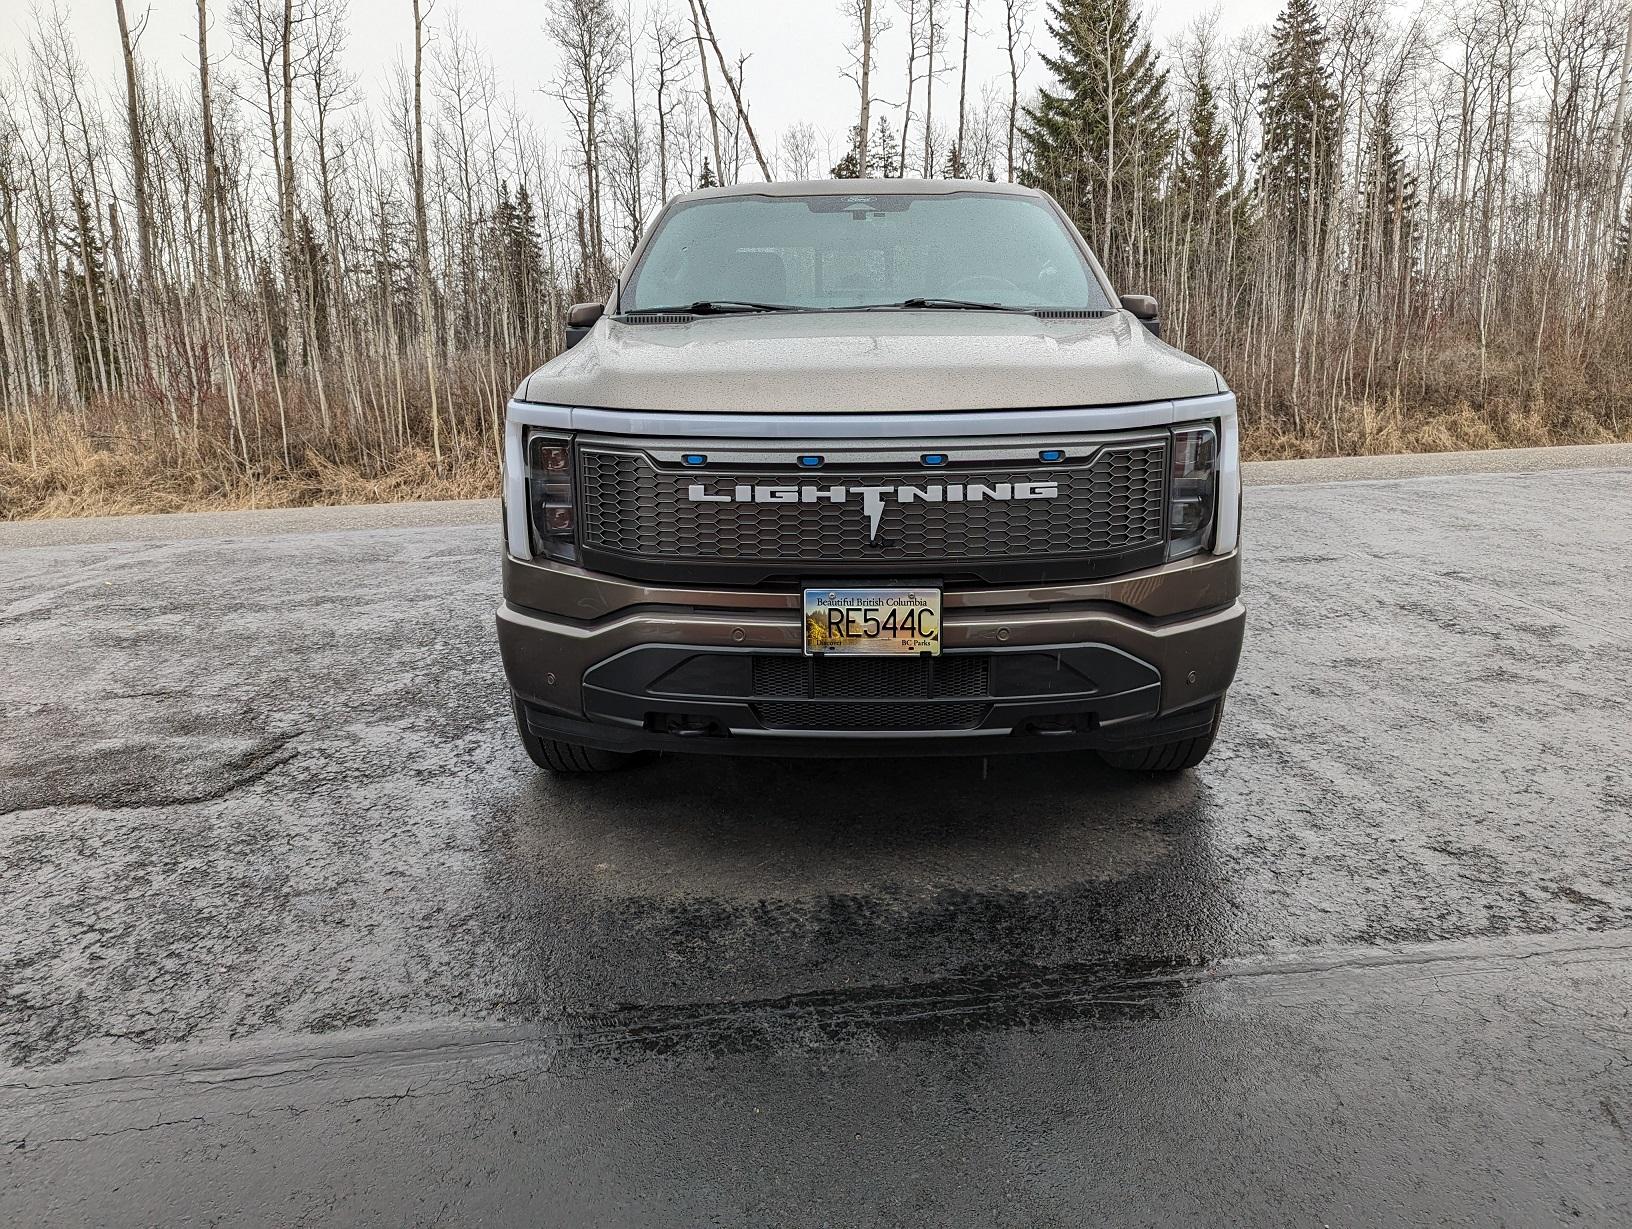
[[967, 305], [712, 307]]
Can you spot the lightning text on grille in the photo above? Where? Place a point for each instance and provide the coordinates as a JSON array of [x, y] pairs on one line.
[[873, 498]]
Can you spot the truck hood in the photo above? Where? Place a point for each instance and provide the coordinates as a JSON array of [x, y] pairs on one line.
[[868, 362]]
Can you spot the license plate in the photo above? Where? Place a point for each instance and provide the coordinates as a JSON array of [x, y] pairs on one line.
[[905, 621]]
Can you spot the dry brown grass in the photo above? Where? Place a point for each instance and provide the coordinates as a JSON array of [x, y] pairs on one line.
[[65, 471], [68, 473], [1370, 430]]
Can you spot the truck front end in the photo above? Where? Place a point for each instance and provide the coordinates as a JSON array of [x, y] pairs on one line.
[[766, 523]]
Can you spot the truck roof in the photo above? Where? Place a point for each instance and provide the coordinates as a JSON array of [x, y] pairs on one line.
[[858, 187]]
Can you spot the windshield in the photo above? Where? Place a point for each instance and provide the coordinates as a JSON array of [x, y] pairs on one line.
[[836, 252]]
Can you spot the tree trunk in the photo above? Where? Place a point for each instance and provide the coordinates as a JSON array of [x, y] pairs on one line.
[[963, 88], [212, 186], [912, 85], [1616, 166], [736, 93], [929, 92], [422, 242], [862, 137], [138, 150], [708, 93], [1012, 18]]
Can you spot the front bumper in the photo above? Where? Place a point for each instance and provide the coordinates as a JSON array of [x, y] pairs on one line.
[[1139, 659]]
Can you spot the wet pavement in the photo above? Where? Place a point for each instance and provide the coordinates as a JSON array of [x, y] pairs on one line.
[[293, 932]]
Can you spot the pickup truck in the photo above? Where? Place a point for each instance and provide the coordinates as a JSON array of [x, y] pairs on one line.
[[869, 467]]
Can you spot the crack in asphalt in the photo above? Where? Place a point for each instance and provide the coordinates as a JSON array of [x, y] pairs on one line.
[[248, 769], [82, 575], [1608, 1107], [1017, 995], [455, 1069], [25, 1144]]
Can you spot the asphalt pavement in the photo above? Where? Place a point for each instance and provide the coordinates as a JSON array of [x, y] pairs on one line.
[[291, 932]]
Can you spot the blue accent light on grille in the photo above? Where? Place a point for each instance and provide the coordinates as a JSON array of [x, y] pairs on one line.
[[810, 462], [695, 458], [1051, 454], [934, 458]]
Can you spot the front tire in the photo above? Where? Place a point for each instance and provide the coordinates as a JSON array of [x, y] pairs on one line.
[[1175, 756], [564, 758]]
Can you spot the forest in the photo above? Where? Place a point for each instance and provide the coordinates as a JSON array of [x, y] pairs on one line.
[[259, 282]]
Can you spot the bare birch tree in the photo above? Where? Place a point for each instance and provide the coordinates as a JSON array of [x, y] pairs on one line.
[[263, 283]]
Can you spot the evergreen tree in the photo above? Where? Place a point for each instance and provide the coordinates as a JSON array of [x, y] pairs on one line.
[[498, 256], [85, 295], [514, 265], [1299, 158], [388, 257], [953, 167], [504, 217], [312, 275], [527, 256], [274, 307], [1100, 132], [849, 166], [1204, 170], [707, 179], [1388, 217], [883, 157]]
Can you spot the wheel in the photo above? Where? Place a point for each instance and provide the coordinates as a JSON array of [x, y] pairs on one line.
[[563, 758], [1173, 756]]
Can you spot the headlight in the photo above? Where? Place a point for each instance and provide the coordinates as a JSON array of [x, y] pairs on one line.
[[550, 495], [1192, 490]]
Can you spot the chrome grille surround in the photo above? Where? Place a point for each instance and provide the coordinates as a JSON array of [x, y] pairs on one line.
[[1111, 502]]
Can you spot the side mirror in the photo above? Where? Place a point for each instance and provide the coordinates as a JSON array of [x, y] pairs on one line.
[[581, 317], [1144, 310]]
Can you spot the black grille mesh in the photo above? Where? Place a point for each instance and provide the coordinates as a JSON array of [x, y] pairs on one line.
[[871, 693], [1111, 505], [786, 676], [877, 715]]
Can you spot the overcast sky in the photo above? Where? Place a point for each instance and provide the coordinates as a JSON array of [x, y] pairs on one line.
[[796, 47]]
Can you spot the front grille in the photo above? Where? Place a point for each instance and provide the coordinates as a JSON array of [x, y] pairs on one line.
[[786, 676], [871, 693], [1111, 505], [876, 715]]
